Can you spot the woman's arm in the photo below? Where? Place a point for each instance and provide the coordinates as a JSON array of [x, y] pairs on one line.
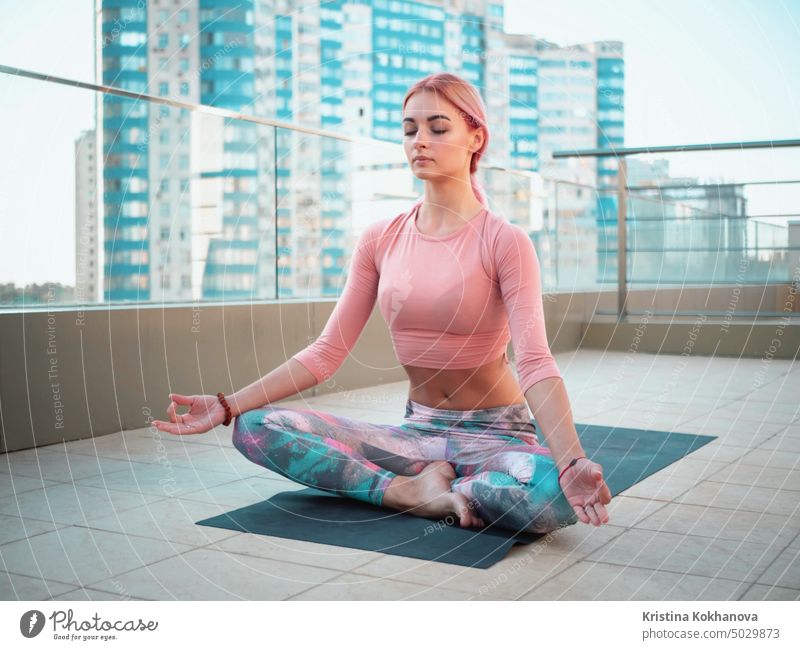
[[322, 358], [550, 406], [288, 379], [519, 275]]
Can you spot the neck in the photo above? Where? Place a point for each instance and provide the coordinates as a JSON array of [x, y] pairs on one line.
[[447, 202]]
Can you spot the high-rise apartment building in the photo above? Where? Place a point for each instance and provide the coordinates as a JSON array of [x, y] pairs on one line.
[[197, 205]]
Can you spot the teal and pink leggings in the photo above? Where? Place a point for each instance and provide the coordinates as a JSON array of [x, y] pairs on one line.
[[501, 468]]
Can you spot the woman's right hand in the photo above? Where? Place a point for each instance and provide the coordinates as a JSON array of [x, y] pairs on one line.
[[205, 413]]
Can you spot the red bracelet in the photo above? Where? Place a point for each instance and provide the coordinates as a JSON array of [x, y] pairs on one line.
[[571, 463], [227, 408]]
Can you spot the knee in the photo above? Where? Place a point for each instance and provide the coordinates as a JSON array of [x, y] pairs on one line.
[[248, 424]]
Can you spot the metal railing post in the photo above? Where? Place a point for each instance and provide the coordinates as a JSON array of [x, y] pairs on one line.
[[622, 231]]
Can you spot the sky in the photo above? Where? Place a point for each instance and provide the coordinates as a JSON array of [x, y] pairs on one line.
[[695, 72]]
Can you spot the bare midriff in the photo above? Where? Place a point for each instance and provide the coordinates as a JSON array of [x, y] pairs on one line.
[[492, 384]]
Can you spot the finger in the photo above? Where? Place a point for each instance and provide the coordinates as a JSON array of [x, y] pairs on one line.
[[602, 513], [165, 426], [592, 515], [581, 513], [605, 494], [173, 416], [185, 400]]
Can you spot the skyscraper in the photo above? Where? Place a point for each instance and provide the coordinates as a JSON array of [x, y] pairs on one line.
[[197, 205]]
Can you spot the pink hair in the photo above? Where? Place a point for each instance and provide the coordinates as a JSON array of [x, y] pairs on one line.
[[467, 100]]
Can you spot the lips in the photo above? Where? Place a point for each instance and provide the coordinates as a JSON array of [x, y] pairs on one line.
[[418, 158]]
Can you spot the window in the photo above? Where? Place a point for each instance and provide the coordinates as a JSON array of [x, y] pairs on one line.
[[163, 136], [184, 161], [185, 38], [164, 186], [163, 88], [184, 88], [183, 17], [163, 41], [183, 65]]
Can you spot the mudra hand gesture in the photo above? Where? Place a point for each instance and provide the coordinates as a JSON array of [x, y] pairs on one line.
[[205, 412], [586, 491]]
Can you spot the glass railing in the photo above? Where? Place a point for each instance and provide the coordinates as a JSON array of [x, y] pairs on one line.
[[118, 198], [648, 230]]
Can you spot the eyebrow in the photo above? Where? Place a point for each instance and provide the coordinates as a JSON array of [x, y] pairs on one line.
[[432, 117]]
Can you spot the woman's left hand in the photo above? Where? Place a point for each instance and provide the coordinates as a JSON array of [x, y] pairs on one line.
[[586, 491]]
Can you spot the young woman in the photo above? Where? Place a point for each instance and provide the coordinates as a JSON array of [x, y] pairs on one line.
[[455, 282]]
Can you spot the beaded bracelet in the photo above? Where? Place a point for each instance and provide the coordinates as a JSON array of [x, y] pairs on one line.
[[227, 408], [571, 463]]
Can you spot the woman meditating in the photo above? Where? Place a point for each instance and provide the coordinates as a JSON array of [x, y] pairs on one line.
[[454, 281]]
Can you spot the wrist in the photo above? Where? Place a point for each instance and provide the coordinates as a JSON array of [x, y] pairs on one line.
[[229, 415], [562, 468]]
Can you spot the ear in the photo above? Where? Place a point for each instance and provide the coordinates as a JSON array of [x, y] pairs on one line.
[[477, 140]]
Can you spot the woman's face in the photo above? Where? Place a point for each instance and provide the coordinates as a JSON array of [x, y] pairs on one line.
[[435, 129]]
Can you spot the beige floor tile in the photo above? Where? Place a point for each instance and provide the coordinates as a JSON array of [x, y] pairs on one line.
[[360, 587], [786, 440], [784, 571], [704, 556], [82, 594], [627, 511], [312, 554], [651, 421], [742, 497], [158, 480], [661, 487], [748, 409], [735, 432], [12, 484], [59, 463], [72, 504], [771, 592], [14, 528], [80, 556], [207, 574], [523, 566], [769, 458], [756, 527], [19, 587], [170, 520], [719, 451], [777, 478], [221, 459], [691, 467], [376, 399], [587, 580], [244, 492]]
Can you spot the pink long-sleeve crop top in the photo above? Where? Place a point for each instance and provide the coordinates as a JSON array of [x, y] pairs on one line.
[[448, 301]]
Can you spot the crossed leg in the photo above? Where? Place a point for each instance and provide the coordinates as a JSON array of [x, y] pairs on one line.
[[511, 484], [346, 456]]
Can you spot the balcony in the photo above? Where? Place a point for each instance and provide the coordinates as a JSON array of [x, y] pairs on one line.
[[667, 311]]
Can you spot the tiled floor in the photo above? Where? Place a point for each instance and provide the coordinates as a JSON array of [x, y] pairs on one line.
[[113, 517]]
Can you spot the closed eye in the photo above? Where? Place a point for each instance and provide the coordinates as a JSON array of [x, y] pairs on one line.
[[434, 130]]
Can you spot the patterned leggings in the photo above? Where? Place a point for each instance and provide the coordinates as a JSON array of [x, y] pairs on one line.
[[501, 469]]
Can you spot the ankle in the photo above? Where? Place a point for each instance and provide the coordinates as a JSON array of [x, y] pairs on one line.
[[399, 494]]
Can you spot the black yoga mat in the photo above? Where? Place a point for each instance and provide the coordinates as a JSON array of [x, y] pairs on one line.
[[627, 456]]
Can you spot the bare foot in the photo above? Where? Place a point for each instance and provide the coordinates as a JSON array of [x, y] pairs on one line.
[[428, 495]]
